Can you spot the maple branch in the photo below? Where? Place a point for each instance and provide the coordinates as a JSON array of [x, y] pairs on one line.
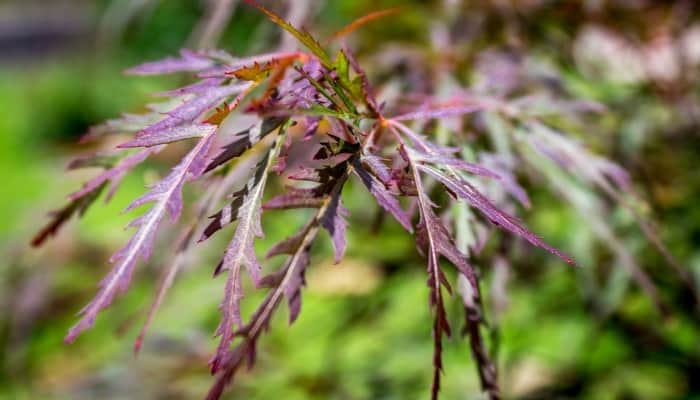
[[261, 318]]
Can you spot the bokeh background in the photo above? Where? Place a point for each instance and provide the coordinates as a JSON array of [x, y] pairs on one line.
[[364, 331]]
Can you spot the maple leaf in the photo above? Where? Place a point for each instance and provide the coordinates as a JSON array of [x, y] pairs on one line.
[[433, 241], [189, 61], [167, 198], [240, 252]]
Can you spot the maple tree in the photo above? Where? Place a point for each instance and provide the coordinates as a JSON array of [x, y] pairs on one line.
[[318, 123]]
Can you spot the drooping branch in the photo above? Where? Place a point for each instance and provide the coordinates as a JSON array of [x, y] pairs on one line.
[[285, 283], [240, 251], [167, 198]]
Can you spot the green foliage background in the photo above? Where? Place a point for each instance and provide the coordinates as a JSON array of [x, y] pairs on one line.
[[364, 331]]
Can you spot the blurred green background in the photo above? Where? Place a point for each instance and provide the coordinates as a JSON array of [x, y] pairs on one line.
[[364, 330]]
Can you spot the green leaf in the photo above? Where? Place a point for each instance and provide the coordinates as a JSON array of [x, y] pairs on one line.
[[304, 37], [342, 67], [317, 109], [356, 87]]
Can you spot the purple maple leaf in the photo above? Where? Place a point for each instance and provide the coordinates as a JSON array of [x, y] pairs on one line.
[[167, 198]]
